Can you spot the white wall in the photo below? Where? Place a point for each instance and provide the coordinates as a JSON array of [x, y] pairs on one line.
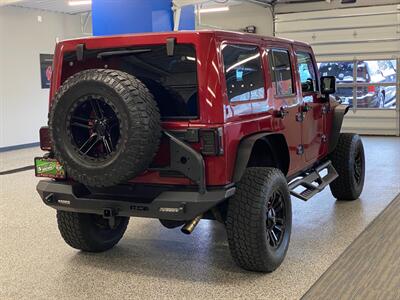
[[240, 16], [23, 104]]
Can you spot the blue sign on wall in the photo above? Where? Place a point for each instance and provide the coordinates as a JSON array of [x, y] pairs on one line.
[[187, 21], [130, 16]]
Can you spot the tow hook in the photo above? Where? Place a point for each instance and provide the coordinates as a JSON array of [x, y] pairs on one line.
[[109, 214], [191, 225]]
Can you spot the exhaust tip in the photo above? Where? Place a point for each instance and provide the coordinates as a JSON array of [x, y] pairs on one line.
[[185, 230], [191, 225]]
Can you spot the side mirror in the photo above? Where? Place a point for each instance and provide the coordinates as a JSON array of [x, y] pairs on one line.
[[328, 85]]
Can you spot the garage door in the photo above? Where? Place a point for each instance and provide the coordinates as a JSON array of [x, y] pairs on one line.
[[361, 47]]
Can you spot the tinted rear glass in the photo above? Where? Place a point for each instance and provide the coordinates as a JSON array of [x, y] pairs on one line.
[[282, 82], [243, 72], [171, 79]]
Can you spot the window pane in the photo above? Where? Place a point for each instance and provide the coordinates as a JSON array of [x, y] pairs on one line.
[[342, 70], [377, 71], [243, 72], [171, 79], [282, 82], [376, 97], [344, 94], [306, 70], [370, 74]]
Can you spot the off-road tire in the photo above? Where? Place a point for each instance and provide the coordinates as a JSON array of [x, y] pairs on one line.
[[246, 223], [348, 153], [139, 126], [81, 231]]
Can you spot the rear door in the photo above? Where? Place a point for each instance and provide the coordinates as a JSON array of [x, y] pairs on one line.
[[283, 91], [312, 109]]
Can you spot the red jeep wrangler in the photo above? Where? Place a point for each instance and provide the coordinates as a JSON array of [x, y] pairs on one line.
[[184, 126]]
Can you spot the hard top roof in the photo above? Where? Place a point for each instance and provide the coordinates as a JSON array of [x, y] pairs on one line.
[[218, 33]]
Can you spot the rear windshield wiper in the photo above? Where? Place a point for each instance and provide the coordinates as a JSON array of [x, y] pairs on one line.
[[121, 52]]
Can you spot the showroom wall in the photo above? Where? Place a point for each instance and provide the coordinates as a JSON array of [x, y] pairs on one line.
[[23, 103], [238, 17]]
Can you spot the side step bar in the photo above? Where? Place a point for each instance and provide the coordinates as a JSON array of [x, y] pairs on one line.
[[312, 182]]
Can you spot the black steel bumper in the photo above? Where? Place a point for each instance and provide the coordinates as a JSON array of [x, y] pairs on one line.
[[170, 204]]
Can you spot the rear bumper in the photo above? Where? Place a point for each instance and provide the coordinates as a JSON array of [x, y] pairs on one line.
[[171, 204]]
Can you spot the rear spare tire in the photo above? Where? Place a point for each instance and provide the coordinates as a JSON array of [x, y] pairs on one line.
[[104, 127]]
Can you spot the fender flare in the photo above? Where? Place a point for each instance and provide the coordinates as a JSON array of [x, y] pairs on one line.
[[338, 115], [244, 151]]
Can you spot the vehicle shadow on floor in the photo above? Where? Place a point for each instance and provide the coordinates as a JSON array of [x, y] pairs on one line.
[[170, 254]]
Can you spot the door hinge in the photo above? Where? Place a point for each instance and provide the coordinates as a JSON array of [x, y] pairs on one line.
[[324, 138], [300, 150]]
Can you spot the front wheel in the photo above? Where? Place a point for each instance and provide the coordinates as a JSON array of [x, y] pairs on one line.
[[349, 161], [89, 232], [259, 220]]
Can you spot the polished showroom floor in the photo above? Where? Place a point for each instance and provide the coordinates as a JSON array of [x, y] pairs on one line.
[[154, 262]]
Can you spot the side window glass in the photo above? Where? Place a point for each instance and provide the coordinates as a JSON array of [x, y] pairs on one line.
[[243, 72], [281, 73], [306, 71]]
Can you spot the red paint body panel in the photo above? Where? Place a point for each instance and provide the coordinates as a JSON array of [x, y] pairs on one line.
[[239, 119]]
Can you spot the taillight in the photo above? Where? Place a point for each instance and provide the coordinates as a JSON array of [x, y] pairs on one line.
[[371, 89], [212, 141], [45, 143]]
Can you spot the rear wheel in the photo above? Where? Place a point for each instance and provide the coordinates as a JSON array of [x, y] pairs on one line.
[[89, 232], [259, 220], [349, 161]]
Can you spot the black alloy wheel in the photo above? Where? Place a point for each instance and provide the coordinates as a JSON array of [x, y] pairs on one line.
[[93, 128], [358, 166], [275, 219]]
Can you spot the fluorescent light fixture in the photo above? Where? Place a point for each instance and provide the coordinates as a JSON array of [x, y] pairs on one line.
[[79, 2], [213, 9]]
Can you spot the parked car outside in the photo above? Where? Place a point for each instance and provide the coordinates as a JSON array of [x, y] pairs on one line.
[[371, 71]]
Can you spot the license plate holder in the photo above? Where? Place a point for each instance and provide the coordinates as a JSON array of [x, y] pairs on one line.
[[49, 167]]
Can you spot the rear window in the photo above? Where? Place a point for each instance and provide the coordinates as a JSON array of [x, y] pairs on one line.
[[171, 79], [243, 72]]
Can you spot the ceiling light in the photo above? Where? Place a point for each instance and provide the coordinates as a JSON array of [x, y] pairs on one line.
[[79, 2], [213, 9]]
